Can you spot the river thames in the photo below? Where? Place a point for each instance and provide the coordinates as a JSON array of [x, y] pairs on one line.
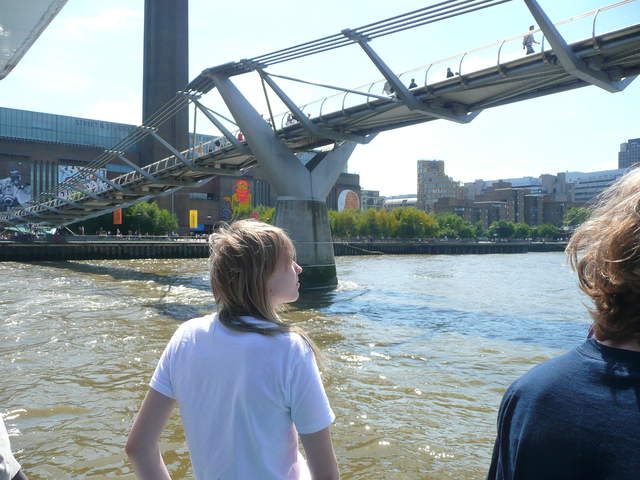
[[418, 351]]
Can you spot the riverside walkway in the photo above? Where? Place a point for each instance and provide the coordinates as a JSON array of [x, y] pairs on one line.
[[109, 248]]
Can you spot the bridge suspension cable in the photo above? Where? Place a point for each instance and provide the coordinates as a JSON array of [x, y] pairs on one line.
[[433, 13]]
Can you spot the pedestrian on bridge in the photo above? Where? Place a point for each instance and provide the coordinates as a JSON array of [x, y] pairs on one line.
[[577, 417], [529, 40], [413, 83], [247, 383]]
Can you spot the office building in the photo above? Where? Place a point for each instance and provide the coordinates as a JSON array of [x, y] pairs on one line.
[[434, 184], [371, 199], [629, 154]]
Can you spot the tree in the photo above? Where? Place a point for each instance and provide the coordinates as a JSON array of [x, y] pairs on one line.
[[452, 225], [547, 231], [477, 230], [265, 214], [367, 223], [145, 218], [414, 223], [576, 215], [345, 223], [522, 230], [149, 219], [501, 229]]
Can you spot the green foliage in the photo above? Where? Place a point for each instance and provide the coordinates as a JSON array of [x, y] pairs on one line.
[[451, 225], [367, 223], [576, 215], [148, 218], [522, 231], [415, 223], [501, 229], [547, 231], [477, 230], [265, 214], [145, 218]]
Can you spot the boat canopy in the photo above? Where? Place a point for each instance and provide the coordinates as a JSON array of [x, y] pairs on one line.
[[21, 23]]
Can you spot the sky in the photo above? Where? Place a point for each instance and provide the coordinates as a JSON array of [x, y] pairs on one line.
[[88, 63]]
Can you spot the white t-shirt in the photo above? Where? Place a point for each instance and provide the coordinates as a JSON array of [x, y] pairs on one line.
[[243, 399], [8, 464]]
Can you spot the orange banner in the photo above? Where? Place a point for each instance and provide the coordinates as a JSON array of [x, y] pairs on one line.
[[117, 217]]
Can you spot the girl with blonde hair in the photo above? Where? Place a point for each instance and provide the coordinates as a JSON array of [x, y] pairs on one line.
[[246, 382]]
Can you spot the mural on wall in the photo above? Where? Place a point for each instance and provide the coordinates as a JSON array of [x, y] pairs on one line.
[[238, 205], [242, 195], [348, 200], [88, 181], [13, 191]]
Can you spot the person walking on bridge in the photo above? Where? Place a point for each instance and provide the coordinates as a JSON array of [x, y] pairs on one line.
[[577, 417], [529, 40], [247, 383]]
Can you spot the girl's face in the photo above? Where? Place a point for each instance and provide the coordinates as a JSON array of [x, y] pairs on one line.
[[283, 284]]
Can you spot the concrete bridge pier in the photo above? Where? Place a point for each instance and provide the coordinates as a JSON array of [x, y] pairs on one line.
[[301, 208]]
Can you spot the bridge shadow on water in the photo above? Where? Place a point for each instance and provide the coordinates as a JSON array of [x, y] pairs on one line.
[[177, 311], [118, 273]]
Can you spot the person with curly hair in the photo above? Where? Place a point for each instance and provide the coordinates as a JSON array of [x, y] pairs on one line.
[[577, 417]]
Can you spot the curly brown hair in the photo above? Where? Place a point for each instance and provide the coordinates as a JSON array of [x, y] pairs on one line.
[[605, 252]]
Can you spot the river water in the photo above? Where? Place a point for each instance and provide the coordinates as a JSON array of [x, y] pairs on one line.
[[418, 351]]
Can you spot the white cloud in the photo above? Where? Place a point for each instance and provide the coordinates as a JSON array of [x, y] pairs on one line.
[[116, 111], [105, 21]]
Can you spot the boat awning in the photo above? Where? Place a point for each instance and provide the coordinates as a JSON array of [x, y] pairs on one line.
[[21, 23]]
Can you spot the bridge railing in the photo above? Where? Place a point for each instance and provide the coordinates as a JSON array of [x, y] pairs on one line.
[[579, 27]]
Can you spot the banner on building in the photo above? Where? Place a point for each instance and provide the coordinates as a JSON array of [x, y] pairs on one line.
[[117, 217], [84, 178], [193, 219], [348, 200], [14, 188]]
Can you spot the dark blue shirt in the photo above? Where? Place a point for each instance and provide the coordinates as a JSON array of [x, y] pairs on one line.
[[574, 417]]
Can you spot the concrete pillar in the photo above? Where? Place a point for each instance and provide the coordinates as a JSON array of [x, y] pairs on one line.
[[307, 223], [301, 208]]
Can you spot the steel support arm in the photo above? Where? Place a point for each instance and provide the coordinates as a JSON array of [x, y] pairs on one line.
[[569, 61], [167, 145], [272, 154], [220, 126], [303, 119], [403, 92]]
